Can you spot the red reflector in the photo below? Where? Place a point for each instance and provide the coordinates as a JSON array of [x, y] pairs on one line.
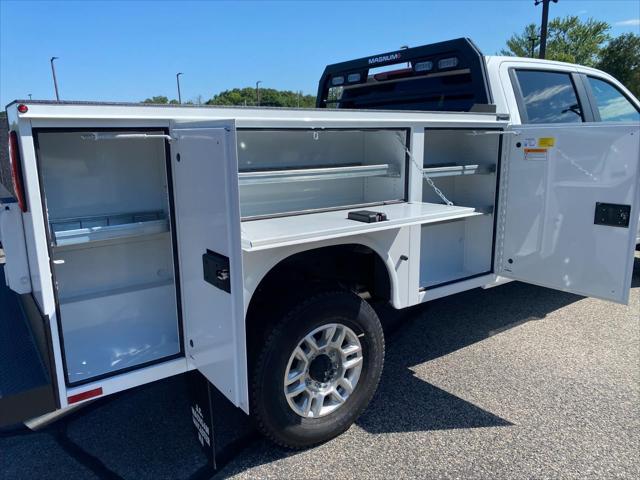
[[16, 170], [78, 397], [22, 108]]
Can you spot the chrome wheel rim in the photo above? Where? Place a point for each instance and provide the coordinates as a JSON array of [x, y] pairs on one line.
[[323, 370]]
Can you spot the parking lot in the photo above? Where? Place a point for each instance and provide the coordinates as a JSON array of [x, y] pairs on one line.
[[513, 382]]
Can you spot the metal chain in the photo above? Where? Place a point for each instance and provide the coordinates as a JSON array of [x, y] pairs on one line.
[[437, 190], [426, 177]]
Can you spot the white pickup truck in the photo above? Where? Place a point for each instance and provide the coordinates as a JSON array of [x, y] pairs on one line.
[[248, 243], [525, 90]]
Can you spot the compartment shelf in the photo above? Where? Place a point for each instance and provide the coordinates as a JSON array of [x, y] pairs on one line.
[[277, 232], [110, 292], [310, 174], [449, 276], [457, 170], [73, 231]]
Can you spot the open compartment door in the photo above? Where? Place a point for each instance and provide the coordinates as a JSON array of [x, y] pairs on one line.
[[569, 208], [205, 175]]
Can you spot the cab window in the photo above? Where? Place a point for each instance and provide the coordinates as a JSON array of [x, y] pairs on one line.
[[548, 97], [612, 105]]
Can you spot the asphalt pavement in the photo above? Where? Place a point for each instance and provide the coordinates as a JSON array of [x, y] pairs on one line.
[[513, 382]]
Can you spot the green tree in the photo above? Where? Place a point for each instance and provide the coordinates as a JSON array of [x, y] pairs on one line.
[[519, 45], [621, 58], [569, 39], [268, 97], [159, 99]]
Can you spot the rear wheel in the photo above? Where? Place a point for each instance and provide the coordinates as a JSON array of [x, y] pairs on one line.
[[317, 370]]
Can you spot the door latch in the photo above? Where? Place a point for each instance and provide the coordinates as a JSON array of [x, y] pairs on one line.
[[612, 215], [216, 270], [222, 274]]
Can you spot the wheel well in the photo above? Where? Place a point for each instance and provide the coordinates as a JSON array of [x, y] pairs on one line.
[[352, 267]]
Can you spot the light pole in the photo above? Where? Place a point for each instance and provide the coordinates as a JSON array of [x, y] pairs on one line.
[[533, 39], [543, 26], [178, 82], [55, 81], [258, 92]]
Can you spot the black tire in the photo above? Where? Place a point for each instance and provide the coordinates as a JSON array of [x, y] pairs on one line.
[[272, 414]]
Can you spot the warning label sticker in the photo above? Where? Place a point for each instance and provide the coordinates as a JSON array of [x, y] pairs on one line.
[[535, 154], [546, 142]]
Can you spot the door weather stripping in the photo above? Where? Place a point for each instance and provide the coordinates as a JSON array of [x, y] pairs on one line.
[[126, 136]]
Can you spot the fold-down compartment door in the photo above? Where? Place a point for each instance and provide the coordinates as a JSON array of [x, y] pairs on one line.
[[569, 208], [205, 177]]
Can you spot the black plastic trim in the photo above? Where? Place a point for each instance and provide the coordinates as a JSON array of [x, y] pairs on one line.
[[584, 98], [42, 322], [590, 99]]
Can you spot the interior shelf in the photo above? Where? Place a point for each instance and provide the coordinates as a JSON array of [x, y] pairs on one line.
[[309, 174], [107, 227], [446, 277], [114, 291], [281, 231], [456, 170]]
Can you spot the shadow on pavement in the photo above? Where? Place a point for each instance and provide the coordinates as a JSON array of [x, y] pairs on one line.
[[407, 403], [147, 432], [143, 433]]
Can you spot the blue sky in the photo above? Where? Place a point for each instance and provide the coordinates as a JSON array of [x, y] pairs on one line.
[[127, 51]]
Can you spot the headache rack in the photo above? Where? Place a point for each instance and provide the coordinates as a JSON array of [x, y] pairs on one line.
[[445, 76]]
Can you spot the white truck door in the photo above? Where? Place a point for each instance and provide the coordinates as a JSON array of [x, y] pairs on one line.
[[205, 178], [569, 203]]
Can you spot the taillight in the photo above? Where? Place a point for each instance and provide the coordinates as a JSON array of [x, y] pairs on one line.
[[16, 170]]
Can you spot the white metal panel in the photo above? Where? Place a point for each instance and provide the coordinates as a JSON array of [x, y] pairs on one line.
[[244, 117], [36, 242], [131, 379], [16, 269], [118, 330], [34, 228], [208, 218], [453, 251], [456, 287], [313, 227], [546, 224], [390, 245]]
